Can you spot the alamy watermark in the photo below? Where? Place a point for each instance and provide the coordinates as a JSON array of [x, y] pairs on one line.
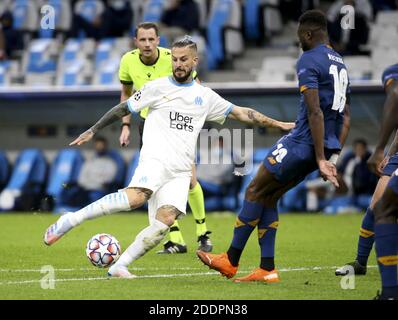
[[227, 147], [347, 282], [48, 280], [48, 17], [348, 20]]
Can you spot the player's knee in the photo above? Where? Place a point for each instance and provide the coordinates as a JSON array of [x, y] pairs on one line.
[[252, 192], [137, 196], [167, 214]]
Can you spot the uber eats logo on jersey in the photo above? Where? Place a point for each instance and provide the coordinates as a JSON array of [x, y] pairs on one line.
[[180, 122]]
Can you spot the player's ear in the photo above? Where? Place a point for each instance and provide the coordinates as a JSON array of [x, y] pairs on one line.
[[157, 41], [195, 60]]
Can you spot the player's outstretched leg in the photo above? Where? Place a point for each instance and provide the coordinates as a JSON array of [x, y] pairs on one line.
[[386, 239], [147, 239], [123, 200], [366, 234]]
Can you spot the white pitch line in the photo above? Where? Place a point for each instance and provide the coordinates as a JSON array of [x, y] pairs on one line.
[[159, 269], [110, 278], [163, 275]]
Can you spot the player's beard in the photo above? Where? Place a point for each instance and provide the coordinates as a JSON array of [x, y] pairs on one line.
[[182, 79]]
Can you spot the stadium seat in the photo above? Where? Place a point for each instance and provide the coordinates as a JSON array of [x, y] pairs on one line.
[[89, 10], [104, 51], [4, 77], [271, 17], [74, 65], [25, 14], [203, 16], [107, 74], [62, 185], [252, 14], [152, 10], [38, 62], [25, 188], [359, 67], [277, 69], [387, 18], [219, 17], [4, 170], [234, 45]]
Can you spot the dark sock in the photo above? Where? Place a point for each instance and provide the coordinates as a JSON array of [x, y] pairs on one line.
[[366, 238]]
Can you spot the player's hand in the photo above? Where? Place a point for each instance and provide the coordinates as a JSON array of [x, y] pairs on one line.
[[287, 126], [124, 138], [328, 172], [375, 161], [83, 138]]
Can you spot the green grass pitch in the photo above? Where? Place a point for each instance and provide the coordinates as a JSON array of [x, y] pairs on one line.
[[308, 248]]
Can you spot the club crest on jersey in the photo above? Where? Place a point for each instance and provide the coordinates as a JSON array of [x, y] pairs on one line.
[[198, 101], [180, 122]]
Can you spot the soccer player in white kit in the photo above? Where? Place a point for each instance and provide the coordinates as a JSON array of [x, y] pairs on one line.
[[178, 108]]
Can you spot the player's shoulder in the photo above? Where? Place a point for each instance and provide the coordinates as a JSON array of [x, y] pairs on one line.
[[130, 56], [164, 52], [390, 74]]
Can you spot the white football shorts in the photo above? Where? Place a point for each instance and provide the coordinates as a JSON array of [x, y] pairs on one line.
[[168, 188]]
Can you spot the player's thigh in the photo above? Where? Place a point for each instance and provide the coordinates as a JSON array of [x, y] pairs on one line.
[[149, 175], [379, 190], [174, 193], [286, 164], [386, 210]]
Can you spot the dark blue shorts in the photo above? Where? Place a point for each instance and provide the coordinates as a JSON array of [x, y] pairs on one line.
[[291, 161], [393, 182], [391, 166]]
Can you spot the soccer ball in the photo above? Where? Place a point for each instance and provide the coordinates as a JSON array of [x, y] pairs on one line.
[[103, 250]]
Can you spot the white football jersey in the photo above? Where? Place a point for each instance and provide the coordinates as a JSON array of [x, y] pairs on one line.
[[176, 115]]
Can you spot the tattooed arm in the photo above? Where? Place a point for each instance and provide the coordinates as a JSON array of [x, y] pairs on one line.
[[111, 116], [250, 116]]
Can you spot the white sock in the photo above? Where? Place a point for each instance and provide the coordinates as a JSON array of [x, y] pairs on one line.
[[111, 203], [147, 239]]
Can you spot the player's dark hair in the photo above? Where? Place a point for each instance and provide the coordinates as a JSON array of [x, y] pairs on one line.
[[147, 26], [186, 41], [314, 19]]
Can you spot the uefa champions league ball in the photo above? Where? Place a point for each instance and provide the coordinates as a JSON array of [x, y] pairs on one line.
[[103, 250]]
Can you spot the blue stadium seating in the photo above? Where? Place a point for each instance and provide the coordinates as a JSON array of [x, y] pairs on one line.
[[27, 180], [104, 51], [88, 10], [153, 10], [20, 13], [216, 24], [62, 183], [251, 14], [4, 170]]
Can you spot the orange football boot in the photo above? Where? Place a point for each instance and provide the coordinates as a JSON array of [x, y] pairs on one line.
[[219, 262], [260, 275]]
